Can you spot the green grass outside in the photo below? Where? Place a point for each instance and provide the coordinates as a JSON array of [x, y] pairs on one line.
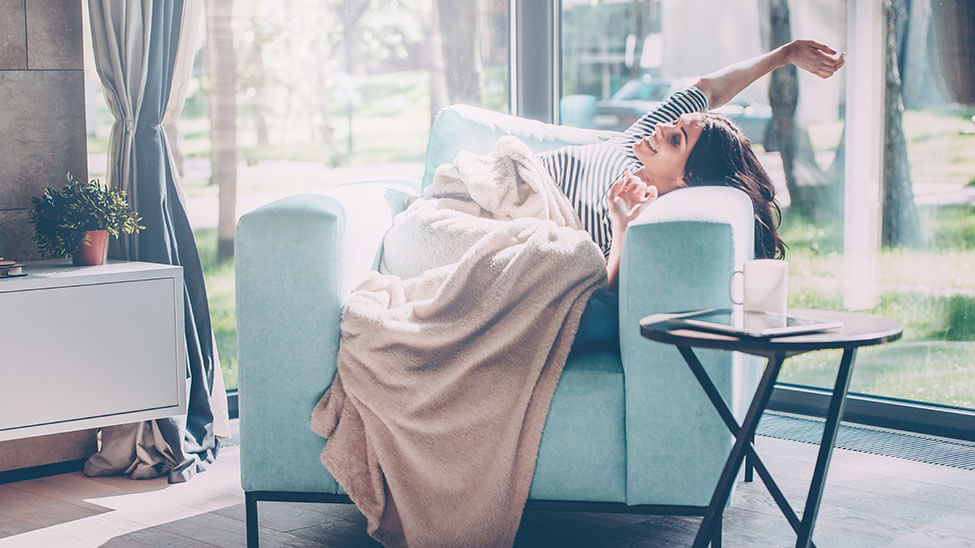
[[219, 279], [941, 146], [928, 371], [931, 291]]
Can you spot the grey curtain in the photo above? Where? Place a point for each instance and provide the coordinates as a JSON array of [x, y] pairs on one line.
[[135, 44]]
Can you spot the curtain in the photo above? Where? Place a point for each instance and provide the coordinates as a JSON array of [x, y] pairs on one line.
[[142, 60]]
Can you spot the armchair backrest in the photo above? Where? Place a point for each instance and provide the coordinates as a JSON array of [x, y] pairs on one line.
[[464, 127]]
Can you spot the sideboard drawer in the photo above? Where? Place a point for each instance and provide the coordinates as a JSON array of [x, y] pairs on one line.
[[89, 351]]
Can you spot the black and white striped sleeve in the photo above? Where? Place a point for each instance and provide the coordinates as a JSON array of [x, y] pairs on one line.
[[685, 101]]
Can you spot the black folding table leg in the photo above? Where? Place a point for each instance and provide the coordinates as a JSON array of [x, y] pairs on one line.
[[833, 416], [716, 537], [250, 512], [723, 490], [729, 419], [749, 465]]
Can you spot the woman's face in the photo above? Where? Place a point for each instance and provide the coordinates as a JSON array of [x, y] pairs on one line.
[[664, 153]]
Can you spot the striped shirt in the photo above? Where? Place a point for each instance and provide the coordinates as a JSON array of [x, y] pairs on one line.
[[585, 172]]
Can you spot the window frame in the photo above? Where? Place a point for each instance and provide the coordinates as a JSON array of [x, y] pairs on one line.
[[535, 66]]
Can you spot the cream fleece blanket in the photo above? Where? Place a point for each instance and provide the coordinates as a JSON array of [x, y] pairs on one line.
[[444, 379]]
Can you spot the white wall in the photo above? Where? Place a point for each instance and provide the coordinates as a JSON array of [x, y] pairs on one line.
[[704, 35]]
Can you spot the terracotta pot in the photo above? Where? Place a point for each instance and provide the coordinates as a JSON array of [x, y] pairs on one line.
[[95, 252]]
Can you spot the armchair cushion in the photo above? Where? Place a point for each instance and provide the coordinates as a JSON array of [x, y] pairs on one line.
[[463, 127]]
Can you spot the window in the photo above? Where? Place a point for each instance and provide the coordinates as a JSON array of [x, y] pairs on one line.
[[897, 243], [332, 92], [917, 268], [325, 93]]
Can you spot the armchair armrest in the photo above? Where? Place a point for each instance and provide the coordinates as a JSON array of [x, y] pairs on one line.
[[295, 260], [679, 255]]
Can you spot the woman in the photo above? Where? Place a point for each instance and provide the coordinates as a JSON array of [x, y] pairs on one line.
[[676, 145]]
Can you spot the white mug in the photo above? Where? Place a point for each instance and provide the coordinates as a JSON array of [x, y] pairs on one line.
[[764, 285]]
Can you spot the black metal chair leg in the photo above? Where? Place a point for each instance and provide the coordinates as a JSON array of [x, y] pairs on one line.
[[250, 510]]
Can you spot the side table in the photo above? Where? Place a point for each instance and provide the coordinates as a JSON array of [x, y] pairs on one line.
[[857, 330]]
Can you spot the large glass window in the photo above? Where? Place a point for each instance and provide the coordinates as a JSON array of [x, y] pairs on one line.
[[922, 267], [907, 250], [343, 90], [324, 93]]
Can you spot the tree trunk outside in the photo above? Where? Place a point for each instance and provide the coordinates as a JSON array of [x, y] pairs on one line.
[[916, 73], [258, 76], [322, 75], [783, 89], [352, 12], [438, 84], [461, 54], [900, 225], [808, 185], [638, 26], [222, 98]]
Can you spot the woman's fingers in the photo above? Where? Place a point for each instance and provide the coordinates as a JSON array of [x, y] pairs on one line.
[[634, 211], [627, 197], [633, 185], [822, 47], [626, 186], [652, 192], [643, 200], [615, 189], [831, 65]]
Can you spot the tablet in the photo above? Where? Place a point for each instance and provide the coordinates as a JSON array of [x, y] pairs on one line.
[[752, 324]]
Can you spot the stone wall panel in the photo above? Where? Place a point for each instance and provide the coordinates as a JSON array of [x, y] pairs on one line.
[[54, 38], [42, 133], [13, 35], [18, 236]]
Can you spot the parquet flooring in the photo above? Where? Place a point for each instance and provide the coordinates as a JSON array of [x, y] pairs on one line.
[[870, 501]]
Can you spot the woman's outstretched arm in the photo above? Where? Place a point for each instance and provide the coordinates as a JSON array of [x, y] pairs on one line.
[[722, 85]]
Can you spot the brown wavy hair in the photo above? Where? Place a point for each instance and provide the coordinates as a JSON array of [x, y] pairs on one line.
[[723, 156]]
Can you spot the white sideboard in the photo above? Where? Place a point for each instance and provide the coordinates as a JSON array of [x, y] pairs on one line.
[[90, 346]]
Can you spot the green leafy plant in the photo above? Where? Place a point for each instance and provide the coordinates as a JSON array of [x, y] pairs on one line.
[[62, 217]]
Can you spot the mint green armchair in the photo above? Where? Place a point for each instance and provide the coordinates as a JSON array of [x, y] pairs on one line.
[[629, 429]]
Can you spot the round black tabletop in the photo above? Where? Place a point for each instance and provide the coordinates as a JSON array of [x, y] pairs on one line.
[[857, 330]]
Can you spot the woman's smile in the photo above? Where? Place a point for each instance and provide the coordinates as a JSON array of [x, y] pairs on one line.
[[649, 142]]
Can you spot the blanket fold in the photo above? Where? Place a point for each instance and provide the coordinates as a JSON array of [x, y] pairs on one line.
[[447, 366]]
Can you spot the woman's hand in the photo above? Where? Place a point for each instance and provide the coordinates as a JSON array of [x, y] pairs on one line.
[[815, 58], [627, 197]]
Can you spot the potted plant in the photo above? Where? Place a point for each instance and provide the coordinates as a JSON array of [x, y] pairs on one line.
[[77, 219]]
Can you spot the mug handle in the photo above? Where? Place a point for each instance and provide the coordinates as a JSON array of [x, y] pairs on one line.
[[731, 292]]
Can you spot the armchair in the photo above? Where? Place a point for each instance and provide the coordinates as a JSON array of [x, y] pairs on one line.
[[628, 430]]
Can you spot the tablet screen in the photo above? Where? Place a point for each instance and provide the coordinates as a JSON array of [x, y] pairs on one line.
[[753, 324]]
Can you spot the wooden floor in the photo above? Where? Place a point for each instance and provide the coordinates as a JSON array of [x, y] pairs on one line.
[[869, 501]]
